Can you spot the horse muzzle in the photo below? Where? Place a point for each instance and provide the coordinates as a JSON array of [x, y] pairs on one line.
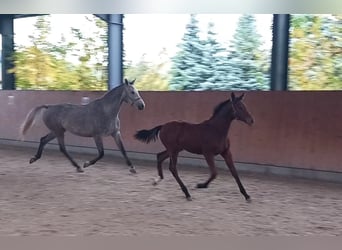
[[250, 121], [139, 104]]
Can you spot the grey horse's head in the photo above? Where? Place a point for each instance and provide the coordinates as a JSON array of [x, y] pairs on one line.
[[132, 95]]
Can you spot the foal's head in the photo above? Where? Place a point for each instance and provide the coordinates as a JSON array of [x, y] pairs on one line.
[[132, 95], [240, 111]]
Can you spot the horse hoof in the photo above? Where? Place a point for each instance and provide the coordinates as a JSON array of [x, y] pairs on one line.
[[32, 160], [201, 185], [86, 164], [80, 170], [189, 198], [248, 199], [156, 181], [133, 171]]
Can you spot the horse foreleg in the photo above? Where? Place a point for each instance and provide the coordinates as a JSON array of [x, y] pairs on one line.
[[162, 156], [227, 155], [173, 169], [213, 172], [43, 141], [118, 141], [99, 146], [62, 148]]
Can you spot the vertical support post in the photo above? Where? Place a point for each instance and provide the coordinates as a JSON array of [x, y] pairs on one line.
[[115, 50], [280, 52], [6, 29]]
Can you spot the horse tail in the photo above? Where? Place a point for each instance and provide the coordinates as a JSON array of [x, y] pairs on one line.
[[28, 122], [147, 136]]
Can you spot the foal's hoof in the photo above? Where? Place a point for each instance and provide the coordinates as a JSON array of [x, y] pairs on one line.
[[248, 199], [86, 164], [132, 170], [33, 159], [156, 181], [189, 198], [202, 185], [79, 170]]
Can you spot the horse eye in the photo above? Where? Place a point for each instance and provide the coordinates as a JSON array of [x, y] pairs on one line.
[[132, 93]]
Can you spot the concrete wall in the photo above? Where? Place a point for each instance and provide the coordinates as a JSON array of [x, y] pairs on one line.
[[292, 129]]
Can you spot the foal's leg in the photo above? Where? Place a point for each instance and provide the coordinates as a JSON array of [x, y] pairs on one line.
[[162, 156], [213, 172], [117, 137], [43, 141], [62, 148], [227, 155], [173, 169], [99, 145]]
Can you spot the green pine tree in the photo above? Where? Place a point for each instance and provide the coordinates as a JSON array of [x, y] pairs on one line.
[[246, 60], [212, 71], [186, 70]]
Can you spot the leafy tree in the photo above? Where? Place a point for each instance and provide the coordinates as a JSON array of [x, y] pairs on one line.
[[40, 61], [315, 54], [92, 69], [336, 49], [46, 65], [149, 76]]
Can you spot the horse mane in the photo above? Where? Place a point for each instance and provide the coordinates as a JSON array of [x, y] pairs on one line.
[[219, 106], [108, 93], [116, 87]]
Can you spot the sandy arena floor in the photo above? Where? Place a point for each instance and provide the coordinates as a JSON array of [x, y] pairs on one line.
[[50, 198]]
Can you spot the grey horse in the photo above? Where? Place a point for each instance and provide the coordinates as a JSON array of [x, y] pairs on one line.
[[96, 119]]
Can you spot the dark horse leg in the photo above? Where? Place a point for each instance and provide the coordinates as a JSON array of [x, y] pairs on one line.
[[43, 141], [99, 145], [213, 172], [118, 141], [173, 169], [62, 148], [161, 157], [227, 155]]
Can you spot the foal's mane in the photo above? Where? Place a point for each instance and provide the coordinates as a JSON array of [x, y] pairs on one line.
[[219, 106]]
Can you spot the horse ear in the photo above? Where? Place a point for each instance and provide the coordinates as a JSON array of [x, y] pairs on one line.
[[126, 81], [232, 95], [241, 97], [132, 82]]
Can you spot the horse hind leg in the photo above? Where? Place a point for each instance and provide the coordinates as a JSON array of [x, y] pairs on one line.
[[43, 141], [62, 148], [161, 157], [99, 145], [117, 137], [213, 172]]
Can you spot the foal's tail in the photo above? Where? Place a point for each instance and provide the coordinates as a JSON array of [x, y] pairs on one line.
[[28, 122], [147, 136]]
